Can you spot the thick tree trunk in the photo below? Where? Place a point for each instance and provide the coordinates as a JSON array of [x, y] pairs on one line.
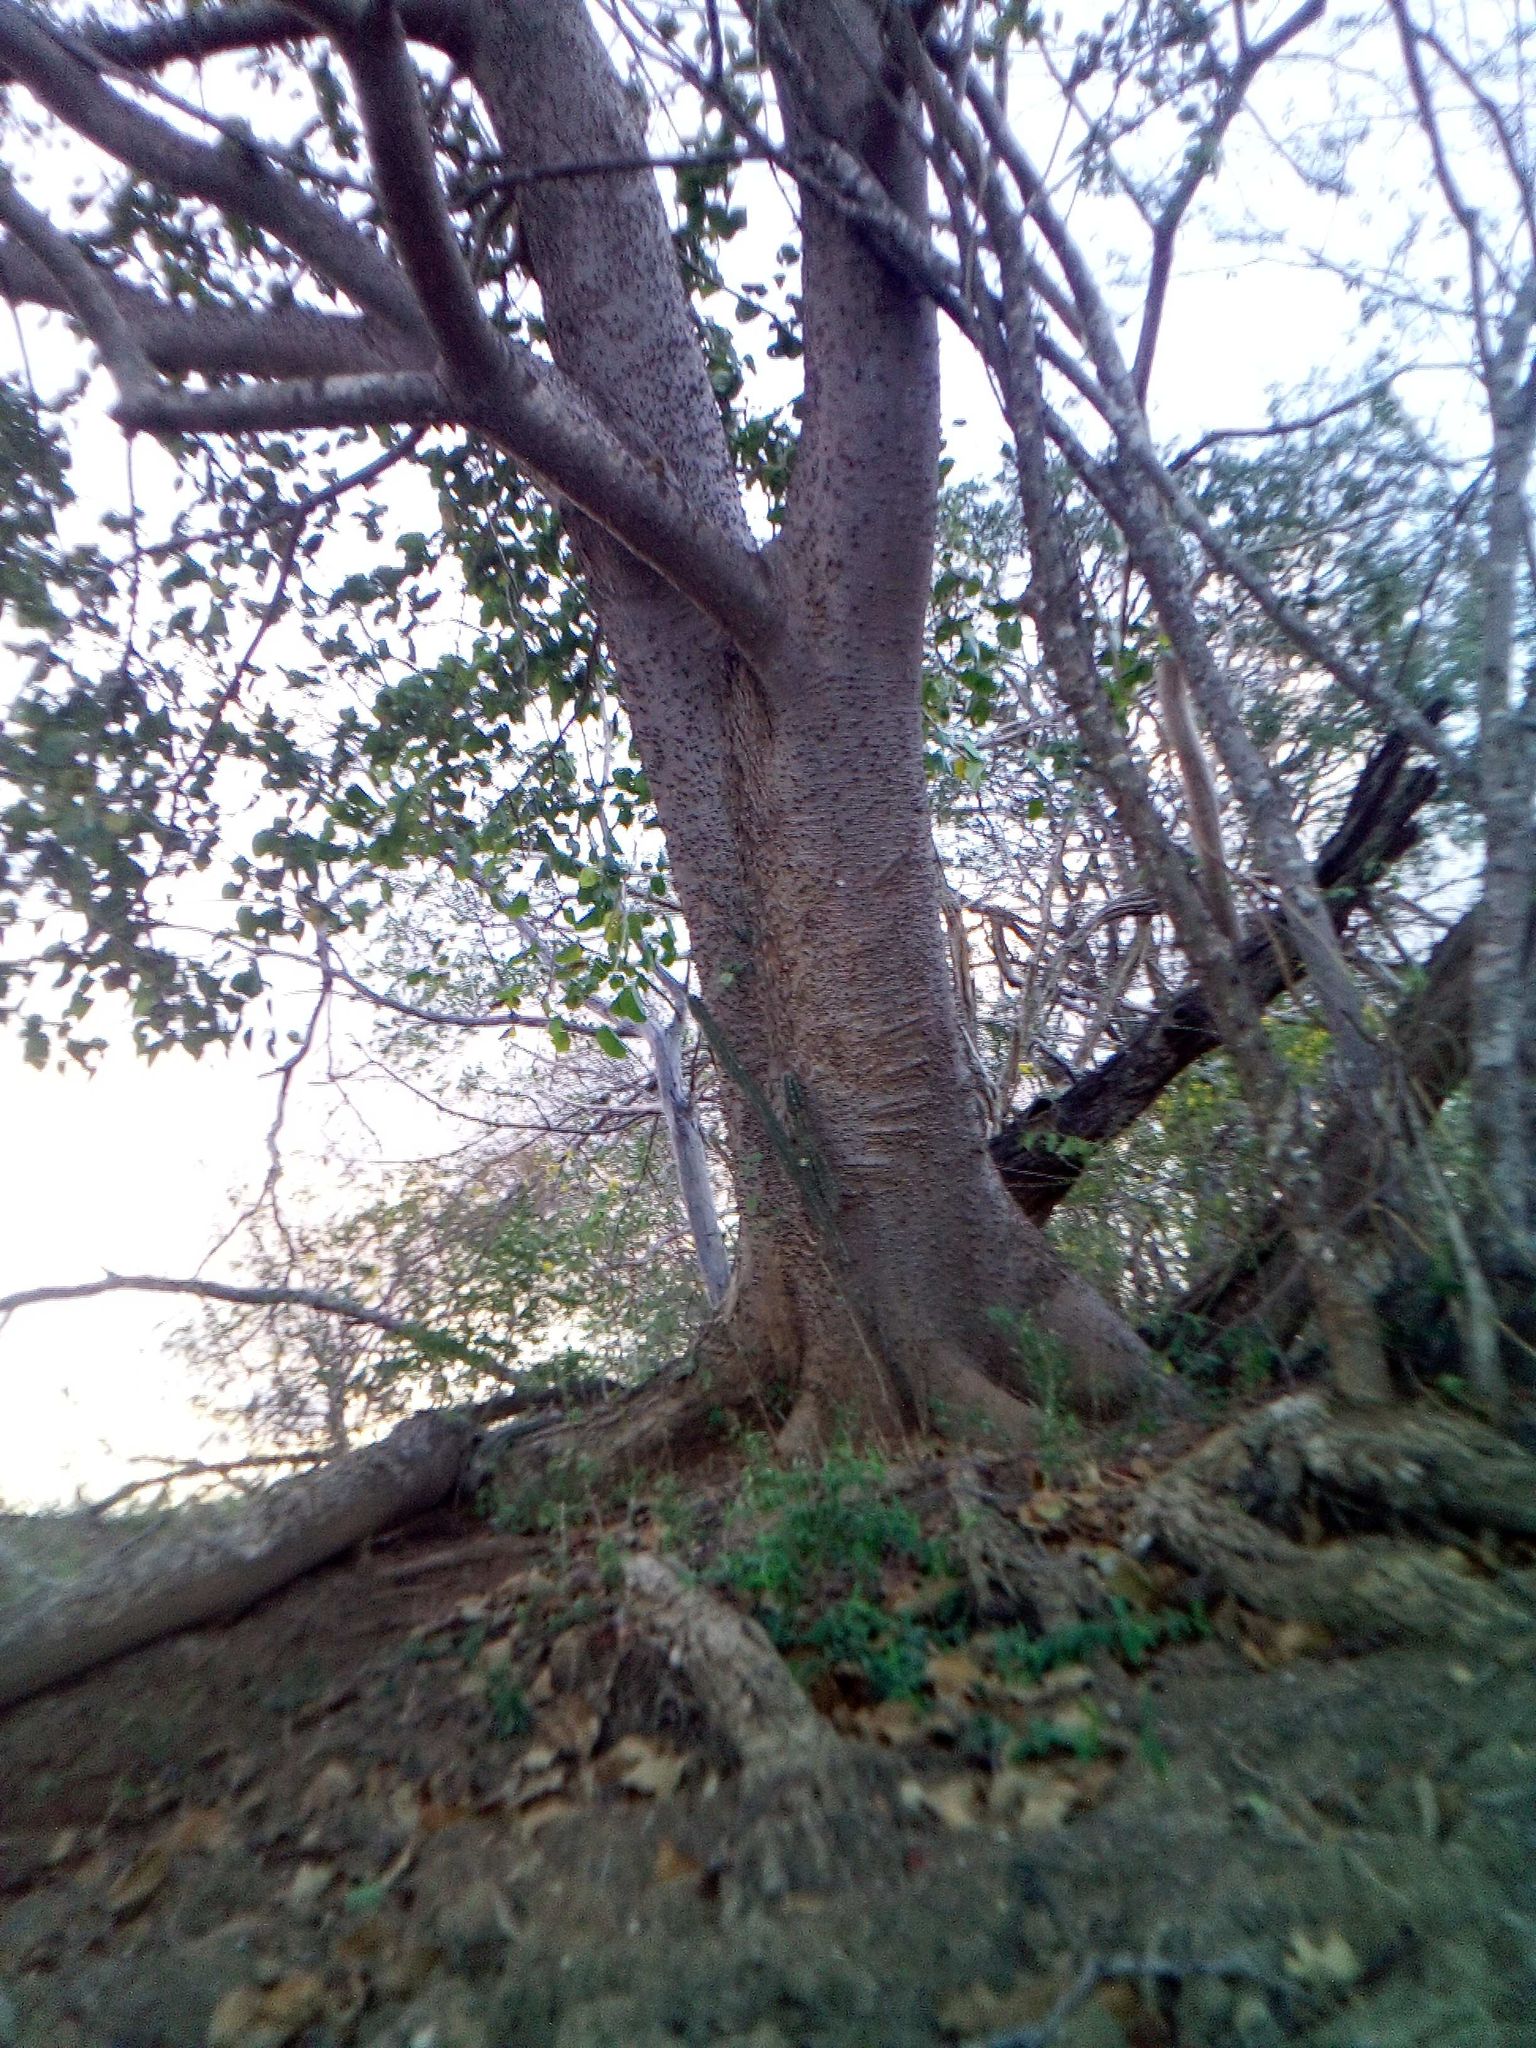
[[882, 1273]]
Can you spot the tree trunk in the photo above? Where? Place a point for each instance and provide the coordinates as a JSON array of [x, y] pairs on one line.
[[881, 1271]]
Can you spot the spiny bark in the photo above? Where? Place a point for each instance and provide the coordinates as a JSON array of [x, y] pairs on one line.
[[1043, 1152]]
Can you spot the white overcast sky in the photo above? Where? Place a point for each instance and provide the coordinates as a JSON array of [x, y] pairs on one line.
[[139, 1168]]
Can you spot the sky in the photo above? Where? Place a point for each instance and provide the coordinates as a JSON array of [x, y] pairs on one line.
[[140, 1168]]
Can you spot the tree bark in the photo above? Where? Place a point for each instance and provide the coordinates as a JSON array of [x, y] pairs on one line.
[[1042, 1152], [876, 1241]]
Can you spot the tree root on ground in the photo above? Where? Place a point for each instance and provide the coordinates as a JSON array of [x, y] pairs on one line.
[[1348, 1519], [1011, 1576], [801, 1788]]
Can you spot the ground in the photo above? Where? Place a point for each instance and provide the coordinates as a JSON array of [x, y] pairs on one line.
[[455, 1792]]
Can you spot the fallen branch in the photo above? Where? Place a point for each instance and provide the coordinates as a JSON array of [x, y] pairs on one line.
[[212, 1566], [1042, 1153]]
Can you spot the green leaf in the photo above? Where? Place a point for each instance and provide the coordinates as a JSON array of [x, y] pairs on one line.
[[559, 1034], [611, 1042]]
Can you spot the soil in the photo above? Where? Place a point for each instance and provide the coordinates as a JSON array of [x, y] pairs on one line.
[[444, 1795]]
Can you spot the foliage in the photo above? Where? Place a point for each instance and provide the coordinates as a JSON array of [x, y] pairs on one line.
[[808, 1548], [527, 1267], [1126, 1634]]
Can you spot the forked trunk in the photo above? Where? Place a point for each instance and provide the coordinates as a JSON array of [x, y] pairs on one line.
[[883, 1272]]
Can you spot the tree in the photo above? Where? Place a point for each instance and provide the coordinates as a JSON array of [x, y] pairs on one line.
[[774, 688], [774, 692]]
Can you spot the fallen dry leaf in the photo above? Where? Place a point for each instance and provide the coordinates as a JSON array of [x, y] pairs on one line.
[[269, 2017], [543, 1811], [200, 1829], [641, 1764], [1044, 1508], [954, 1675], [569, 1726], [1325, 1964], [309, 1881], [330, 1787], [674, 1864], [954, 1801], [140, 1881], [1028, 1797], [893, 1722], [524, 1790]]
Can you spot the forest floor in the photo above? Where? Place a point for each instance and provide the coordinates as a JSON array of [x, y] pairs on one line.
[[446, 1794]]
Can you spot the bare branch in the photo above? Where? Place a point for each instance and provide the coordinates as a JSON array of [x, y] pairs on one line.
[[195, 1468], [1201, 156], [405, 175], [221, 341], [81, 285], [241, 182], [338, 1305], [257, 24], [405, 398]]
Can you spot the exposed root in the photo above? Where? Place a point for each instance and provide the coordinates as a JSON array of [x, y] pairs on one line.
[[651, 1428], [799, 1785], [1011, 1576], [1241, 1508]]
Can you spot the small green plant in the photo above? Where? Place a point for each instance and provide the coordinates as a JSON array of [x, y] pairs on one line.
[[1044, 1362], [1050, 1738], [609, 1560], [1124, 1633], [676, 1515], [890, 1651], [813, 1545], [1154, 1753], [511, 1714], [815, 1531]]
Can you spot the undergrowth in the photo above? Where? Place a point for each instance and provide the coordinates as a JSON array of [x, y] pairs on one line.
[[809, 1550]]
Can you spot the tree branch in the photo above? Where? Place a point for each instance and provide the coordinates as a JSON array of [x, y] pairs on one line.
[[240, 182], [1200, 157], [219, 341], [405, 176], [256, 24], [81, 285], [1043, 1153], [405, 398], [339, 1305]]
